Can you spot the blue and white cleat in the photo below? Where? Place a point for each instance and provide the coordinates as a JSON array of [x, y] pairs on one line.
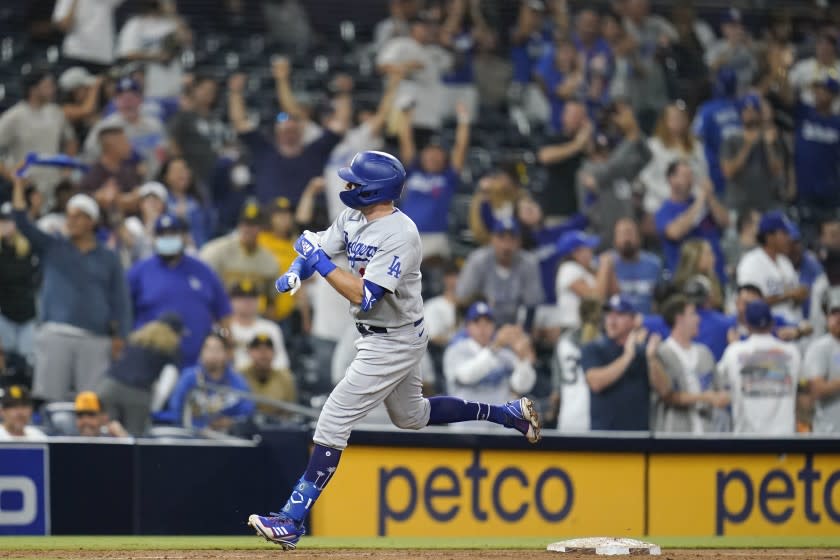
[[524, 418], [277, 529]]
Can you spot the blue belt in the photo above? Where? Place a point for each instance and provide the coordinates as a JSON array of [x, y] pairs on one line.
[[370, 329]]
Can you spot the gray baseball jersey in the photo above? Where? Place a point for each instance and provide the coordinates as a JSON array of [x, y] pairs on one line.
[[386, 252], [823, 360]]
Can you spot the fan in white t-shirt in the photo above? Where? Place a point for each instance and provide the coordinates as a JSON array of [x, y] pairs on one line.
[[156, 37], [440, 311], [768, 267], [88, 27], [762, 374], [575, 279]]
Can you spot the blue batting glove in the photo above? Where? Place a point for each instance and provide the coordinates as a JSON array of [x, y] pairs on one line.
[[308, 247], [307, 244], [289, 282]]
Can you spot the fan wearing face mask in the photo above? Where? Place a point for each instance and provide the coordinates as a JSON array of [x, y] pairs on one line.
[[172, 281]]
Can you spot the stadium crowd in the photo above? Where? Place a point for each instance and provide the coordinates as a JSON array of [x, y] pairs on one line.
[[631, 215]]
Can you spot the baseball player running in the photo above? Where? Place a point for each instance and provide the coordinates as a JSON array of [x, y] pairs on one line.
[[383, 287]]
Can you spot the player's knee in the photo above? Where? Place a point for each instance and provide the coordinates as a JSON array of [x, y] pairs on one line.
[[413, 421]]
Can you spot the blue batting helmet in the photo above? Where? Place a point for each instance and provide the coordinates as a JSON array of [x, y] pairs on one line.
[[380, 177]]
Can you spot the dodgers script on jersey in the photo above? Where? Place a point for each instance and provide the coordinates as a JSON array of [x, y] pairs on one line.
[[387, 252]]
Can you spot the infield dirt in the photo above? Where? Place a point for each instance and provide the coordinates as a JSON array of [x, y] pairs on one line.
[[357, 554]]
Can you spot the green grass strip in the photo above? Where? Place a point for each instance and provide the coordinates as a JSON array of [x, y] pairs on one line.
[[252, 543]]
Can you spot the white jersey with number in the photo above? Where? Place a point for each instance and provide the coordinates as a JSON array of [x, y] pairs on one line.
[[762, 373], [386, 252]]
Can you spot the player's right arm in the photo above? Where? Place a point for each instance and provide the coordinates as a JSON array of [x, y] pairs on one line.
[[236, 104], [39, 240]]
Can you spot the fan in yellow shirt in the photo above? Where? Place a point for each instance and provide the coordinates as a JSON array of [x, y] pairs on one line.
[[279, 241]]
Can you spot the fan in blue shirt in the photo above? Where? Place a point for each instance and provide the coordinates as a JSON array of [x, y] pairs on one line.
[[817, 148], [716, 120], [530, 39], [683, 217], [638, 271], [209, 406], [284, 166], [171, 281], [431, 180], [542, 240]]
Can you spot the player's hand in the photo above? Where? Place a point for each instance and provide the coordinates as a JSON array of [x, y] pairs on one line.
[[653, 345], [343, 83], [281, 69], [462, 112], [236, 83], [315, 185], [717, 399], [584, 133], [787, 333], [732, 335], [308, 244], [799, 294], [771, 134], [751, 135], [289, 282]]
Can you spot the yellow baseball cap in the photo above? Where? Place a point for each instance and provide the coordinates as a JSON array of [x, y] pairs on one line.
[[87, 401]]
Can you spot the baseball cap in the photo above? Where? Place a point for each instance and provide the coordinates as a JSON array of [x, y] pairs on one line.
[[261, 339], [281, 204], [87, 401], [828, 82], [6, 211], [168, 223], [774, 221], [536, 5], [174, 321], [153, 188], [244, 288], [74, 77], [758, 314], [15, 395], [751, 100], [505, 225], [128, 84], [250, 213], [731, 15], [619, 304], [85, 204], [477, 310], [572, 240]]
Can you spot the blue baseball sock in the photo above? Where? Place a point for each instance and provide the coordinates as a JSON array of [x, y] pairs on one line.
[[319, 471], [447, 410]]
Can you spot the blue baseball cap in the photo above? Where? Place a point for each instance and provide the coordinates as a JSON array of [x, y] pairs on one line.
[[619, 304], [572, 240], [751, 100], [828, 82], [774, 221], [128, 84], [758, 314], [168, 223], [477, 310], [505, 225], [731, 15]]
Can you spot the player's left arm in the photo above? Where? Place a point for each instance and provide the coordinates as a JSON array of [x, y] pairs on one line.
[[382, 274]]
